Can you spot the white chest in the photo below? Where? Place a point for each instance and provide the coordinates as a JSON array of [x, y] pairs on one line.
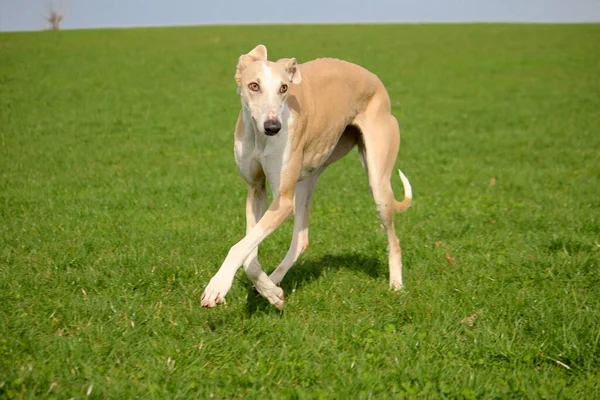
[[256, 151]]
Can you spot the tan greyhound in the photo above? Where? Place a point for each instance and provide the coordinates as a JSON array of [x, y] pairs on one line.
[[297, 119]]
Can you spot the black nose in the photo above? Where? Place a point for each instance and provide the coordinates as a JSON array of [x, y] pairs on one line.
[[272, 126]]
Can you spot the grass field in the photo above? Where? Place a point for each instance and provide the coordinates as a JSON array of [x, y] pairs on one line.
[[119, 199]]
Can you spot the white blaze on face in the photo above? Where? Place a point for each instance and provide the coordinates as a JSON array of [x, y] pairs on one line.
[[272, 101]]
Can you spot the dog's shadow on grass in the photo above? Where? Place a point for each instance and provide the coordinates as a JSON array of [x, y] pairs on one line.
[[310, 269]]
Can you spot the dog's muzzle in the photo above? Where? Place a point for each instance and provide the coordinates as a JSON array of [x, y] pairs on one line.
[[272, 127]]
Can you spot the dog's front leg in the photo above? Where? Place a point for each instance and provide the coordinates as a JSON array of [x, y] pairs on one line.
[[256, 202], [304, 192], [219, 285]]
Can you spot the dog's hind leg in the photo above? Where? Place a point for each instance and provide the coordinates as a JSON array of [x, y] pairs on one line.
[[303, 197], [378, 151]]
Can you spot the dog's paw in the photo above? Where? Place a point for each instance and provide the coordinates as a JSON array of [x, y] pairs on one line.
[[214, 293], [396, 285], [272, 293]]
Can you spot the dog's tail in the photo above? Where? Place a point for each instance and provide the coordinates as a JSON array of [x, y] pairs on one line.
[[403, 205]]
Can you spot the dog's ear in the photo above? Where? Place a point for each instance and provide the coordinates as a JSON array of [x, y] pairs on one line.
[[291, 67], [259, 53]]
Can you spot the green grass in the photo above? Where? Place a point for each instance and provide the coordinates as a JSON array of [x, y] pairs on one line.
[[119, 199]]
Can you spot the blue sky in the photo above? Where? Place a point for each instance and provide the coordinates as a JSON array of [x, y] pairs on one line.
[[18, 15]]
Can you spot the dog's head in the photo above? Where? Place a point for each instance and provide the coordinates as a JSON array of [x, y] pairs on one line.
[[264, 87]]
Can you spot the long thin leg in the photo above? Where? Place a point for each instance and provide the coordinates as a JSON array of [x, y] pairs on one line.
[[304, 192], [381, 140], [256, 203], [219, 285]]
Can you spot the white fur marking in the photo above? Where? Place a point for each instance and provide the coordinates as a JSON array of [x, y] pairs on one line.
[[267, 71], [406, 183]]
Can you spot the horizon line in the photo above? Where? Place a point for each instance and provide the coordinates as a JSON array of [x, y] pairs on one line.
[[308, 23]]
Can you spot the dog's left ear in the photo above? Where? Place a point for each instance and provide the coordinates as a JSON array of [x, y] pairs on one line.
[[291, 67]]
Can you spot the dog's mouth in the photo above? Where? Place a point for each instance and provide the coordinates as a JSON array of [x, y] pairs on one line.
[[271, 133]]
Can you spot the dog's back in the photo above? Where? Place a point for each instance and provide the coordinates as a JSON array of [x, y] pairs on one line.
[[332, 87], [332, 96]]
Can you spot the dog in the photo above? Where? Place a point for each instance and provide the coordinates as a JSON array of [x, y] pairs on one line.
[[296, 120]]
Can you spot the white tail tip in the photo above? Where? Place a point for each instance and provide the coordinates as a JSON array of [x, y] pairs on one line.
[[407, 187]]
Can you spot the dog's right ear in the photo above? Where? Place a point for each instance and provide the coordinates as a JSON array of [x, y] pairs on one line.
[[259, 53]]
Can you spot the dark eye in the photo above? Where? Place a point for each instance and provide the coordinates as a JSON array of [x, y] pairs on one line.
[[283, 89], [254, 87]]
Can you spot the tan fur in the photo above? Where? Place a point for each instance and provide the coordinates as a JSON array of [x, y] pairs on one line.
[[329, 107]]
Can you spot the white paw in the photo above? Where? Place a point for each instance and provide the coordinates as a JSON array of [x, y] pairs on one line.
[[396, 285], [271, 292], [215, 292]]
